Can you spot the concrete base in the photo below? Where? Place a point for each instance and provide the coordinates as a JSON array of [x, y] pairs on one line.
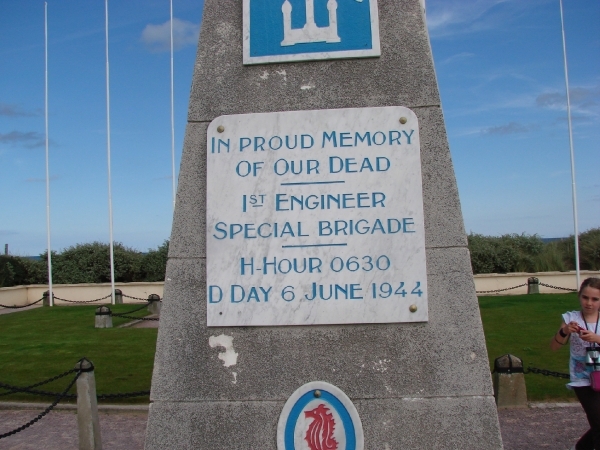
[[510, 390], [154, 308], [87, 411], [103, 321], [398, 423]]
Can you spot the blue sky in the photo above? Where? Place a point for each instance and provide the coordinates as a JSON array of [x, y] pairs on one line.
[[499, 67]]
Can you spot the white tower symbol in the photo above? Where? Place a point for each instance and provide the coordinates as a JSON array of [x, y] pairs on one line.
[[310, 32]]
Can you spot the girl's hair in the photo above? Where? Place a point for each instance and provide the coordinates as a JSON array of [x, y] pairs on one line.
[[590, 282]]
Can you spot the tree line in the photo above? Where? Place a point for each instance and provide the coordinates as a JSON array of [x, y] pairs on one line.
[[86, 263], [529, 253], [89, 263]]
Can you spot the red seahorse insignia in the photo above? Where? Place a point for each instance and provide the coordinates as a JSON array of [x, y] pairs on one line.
[[320, 432]]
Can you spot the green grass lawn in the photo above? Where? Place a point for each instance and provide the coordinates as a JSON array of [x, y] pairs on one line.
[[523, 325], [43, 342]]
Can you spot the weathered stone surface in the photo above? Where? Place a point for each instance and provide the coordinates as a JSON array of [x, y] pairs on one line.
[[87, 409], [188, 234], [509, 382], [415, 385], [403, 75], [443, 217], [510, 390], [423, 423], [388, 424], [103, 317], [440, 358], [213, 425]]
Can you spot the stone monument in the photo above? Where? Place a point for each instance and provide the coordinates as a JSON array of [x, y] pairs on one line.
[[318, 292]]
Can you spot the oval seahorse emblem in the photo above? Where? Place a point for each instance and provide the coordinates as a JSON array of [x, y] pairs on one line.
[[319, 416]]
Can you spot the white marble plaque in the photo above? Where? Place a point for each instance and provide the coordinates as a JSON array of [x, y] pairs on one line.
[[315, 217]]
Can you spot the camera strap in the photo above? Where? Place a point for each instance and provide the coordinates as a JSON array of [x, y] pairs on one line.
[[594, 345], [586, 325]]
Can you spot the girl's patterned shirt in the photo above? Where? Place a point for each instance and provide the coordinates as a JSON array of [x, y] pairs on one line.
[[580, 372]]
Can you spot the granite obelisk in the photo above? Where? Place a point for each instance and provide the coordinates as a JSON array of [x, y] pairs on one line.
[[318, 241]]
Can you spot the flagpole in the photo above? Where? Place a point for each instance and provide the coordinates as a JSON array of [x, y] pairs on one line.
[[110, 214], [51, 295], [573, 185], [172, 113]]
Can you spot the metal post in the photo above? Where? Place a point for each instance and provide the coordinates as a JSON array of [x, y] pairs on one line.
[[110, 211], [573, 185], [49, 257], [172, 113], [47, 299], [533, 285], [103, 317], [509, 382], [87, 408], [154, 304], [118, 297]]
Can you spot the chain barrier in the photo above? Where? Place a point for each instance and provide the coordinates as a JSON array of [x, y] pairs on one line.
[[78, 301], [525, 284], [139, 298], [59, 397], [500, 290], [13, 389], [23, 306], [547, 373], [123, 395], [29, 389], [557, 287], [132, 311], [138, 318], [82, 301]]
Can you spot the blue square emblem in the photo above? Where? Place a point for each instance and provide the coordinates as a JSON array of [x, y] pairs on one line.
[[301, 30]]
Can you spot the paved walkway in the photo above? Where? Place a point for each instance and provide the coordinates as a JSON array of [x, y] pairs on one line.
[[14, 310], [58, 430], [552, 426]]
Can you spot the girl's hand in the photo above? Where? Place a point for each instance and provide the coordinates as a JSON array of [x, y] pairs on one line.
[[589, 336], [571, 327]]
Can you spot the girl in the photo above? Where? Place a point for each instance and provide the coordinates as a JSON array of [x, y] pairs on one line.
[[582, 326]]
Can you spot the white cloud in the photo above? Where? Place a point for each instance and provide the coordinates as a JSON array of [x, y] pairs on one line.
[[449, 17], [509, 128], [158, 37], [10, 110], [458, 57], [41, 180], [444, 15], [585, 100], [28, 139]]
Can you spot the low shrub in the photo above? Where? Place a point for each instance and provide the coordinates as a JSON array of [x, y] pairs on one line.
[[86, 263], [589, 250], [12, 271], [90, 263], [154, 263], [503, 254], [529, 253]]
